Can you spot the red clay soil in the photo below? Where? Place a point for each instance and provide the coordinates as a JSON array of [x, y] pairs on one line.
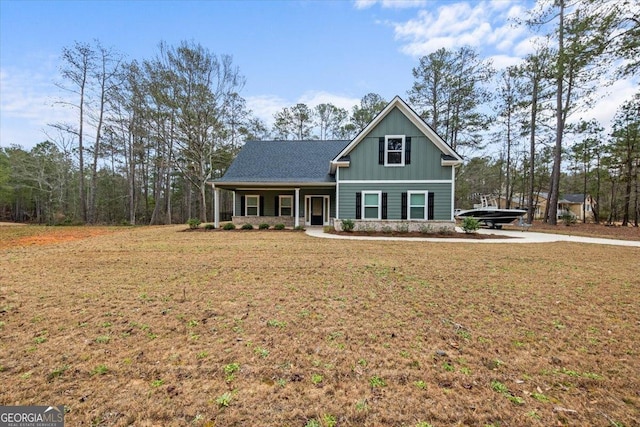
[[32, 235]]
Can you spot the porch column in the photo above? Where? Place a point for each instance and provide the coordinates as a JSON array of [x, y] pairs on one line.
[[216, 207], [297, 208], [453, 191]]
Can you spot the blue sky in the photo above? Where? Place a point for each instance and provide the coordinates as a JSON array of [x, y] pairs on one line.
[[289, 51]]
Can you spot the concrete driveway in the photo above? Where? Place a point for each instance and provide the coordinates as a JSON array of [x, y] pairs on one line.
[[515, 237]]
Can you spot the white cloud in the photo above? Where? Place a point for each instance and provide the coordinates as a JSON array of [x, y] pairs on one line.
[[27, 106], [389, 4], [608, 100], [313, 98], [485, 25], [265, 106], [529, 45], [500, 62]]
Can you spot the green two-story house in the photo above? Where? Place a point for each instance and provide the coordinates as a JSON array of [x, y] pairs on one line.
[[397, 170]]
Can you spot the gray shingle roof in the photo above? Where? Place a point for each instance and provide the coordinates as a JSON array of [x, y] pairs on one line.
[[283, 161], [574, 198]]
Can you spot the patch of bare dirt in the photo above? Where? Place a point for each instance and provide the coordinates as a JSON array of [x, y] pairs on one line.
[[149, 326], [38, 235]]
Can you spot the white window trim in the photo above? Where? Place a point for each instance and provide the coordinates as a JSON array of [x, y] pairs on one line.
[[386, 150], [280, 204], [364, 205], [326, 219], [425, 207], [246, 204]]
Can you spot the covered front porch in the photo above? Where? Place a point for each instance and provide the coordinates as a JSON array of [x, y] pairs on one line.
[[268, 204]]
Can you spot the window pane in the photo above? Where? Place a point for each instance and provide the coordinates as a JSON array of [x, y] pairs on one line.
[[394, 144], [394, 158], [285, 202], [371, 199], [417, 213], [285, 211], [371, 213], [252, 201], [252, 211], [417, 199]]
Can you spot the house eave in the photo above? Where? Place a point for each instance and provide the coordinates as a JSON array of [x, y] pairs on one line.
[[338, 164], [269, 184], [453, 163]]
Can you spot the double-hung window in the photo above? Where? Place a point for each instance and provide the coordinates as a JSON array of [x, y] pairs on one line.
[[371, 206], [252, 206], [418, 208], [394, 150], [286, 205]]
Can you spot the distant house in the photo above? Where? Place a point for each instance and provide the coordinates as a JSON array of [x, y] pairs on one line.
[[396, 170], [578, 205]]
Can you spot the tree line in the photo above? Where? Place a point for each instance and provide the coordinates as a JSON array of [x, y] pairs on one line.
[[148, 134]]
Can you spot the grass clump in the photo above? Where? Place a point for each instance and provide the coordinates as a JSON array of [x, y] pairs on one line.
[[499, 387], [276, 323], [262, 352], [103, 339], [100, 370], [230, 369], [224, 400], [57, 372], [376, 382]]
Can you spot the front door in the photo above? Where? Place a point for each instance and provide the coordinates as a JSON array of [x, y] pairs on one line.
[[317, 213]]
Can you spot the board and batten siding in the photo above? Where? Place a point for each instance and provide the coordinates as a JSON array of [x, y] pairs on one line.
[[425, 155], [394, 190]]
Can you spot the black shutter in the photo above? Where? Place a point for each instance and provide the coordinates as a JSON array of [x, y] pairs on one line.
[[384, 205], [242, 206], [407, 150], [404, 206], [430, 205], [358, 205], [381, 150], [276, 203], [261, 205]]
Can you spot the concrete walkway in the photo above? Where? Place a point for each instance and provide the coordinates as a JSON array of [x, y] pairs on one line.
[[515, 237]]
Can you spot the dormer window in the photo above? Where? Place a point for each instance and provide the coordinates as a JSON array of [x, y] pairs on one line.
[[395, 150]]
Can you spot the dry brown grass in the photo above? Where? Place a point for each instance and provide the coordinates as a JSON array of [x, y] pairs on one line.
[[586, 230], [136, 327]]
